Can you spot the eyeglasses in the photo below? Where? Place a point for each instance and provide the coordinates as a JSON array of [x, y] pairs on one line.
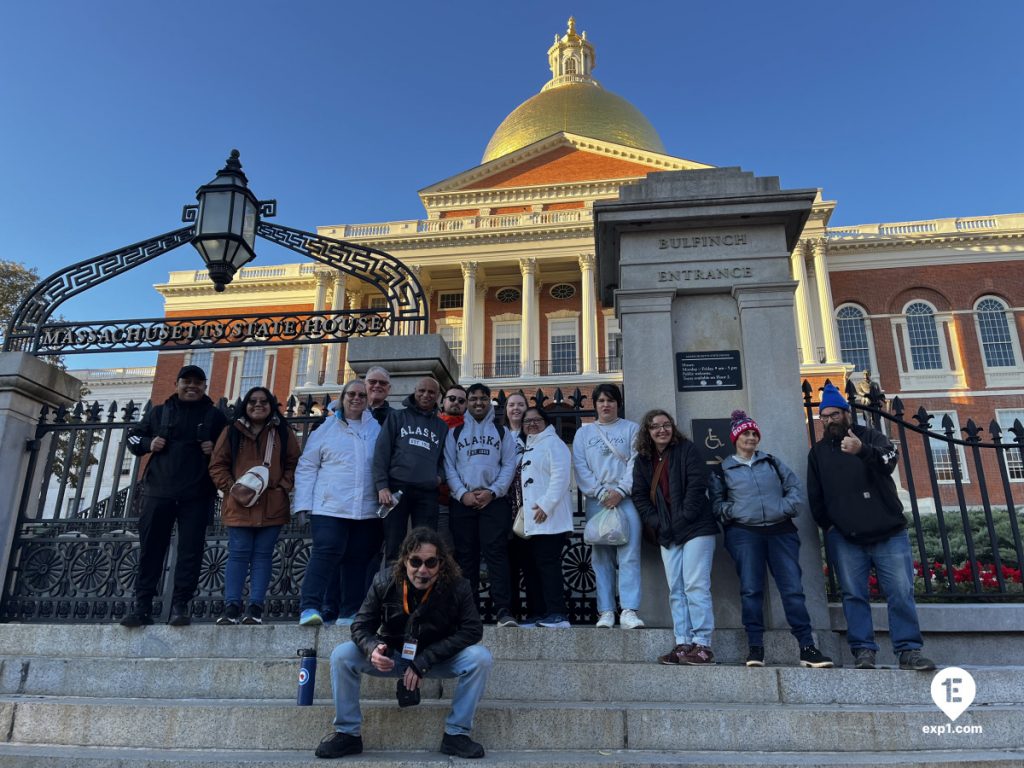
[[532, 422], [378, 382], [660, 427], [454, 399], [430, 562], [355, 394], [834, 416], [258, 403]]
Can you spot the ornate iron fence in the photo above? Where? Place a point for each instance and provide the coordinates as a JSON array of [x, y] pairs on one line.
[[966, 533], [75, 552]]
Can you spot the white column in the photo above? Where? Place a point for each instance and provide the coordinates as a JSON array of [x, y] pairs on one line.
[[353, 298], [527, 351], [467, 364], [803, 307], [589, 310], [334, 350], [315, 350], [828, 321]]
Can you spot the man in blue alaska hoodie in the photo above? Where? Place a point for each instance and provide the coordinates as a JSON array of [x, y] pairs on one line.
[[480, 461], [409, 457], [853, 498], [178, 436]]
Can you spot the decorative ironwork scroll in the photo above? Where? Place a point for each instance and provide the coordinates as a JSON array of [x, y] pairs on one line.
[[26, 324]]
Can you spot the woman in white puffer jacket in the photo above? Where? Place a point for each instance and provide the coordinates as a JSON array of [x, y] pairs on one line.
[[334, 482], [546, 471]]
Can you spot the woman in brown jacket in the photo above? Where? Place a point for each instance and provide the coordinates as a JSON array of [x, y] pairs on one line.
[[253, 531]]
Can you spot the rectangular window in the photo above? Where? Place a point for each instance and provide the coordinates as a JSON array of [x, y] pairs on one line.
[[449, 300], [204, 359], [941, 455], [613, 345], [452, 335], [506, 348], [253, 365], [1012, 456], [562, 334], [126, 466], [378, 302]]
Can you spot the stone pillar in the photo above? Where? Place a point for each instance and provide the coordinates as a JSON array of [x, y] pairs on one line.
[[316, 350], [26, 385], [828, 322], [469, 321], [334, 350], [407, 359], [354, 298], [803, 306], [589, 310], [528, 352], [698, 266]]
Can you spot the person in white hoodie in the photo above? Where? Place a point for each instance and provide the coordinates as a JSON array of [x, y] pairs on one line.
[[546, 471], [479, 461], [602, 455], [334, 482]]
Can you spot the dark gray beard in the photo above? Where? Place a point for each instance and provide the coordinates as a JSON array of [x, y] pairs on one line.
[[837, 430]]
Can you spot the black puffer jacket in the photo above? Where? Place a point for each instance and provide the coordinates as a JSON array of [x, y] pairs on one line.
[[444, 625], [689, 510], [181, 470]]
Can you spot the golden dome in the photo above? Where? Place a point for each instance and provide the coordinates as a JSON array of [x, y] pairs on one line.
[[582, 108], [572, 101]]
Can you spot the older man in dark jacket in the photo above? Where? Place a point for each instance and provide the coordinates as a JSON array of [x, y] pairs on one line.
[[418, 620]]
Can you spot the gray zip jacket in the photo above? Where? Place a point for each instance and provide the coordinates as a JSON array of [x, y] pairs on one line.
[[753, 495]]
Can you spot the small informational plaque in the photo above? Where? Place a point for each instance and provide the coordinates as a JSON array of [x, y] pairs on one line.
[[708, 371]]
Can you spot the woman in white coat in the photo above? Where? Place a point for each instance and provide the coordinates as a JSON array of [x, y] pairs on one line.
[[334, 482], [547, 509]]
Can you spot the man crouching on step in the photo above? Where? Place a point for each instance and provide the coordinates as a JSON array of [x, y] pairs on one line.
[[418, 620]]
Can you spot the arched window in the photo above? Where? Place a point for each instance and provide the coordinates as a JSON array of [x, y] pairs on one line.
[[570, 66], [925, 354], [854, 345], [994, 331]]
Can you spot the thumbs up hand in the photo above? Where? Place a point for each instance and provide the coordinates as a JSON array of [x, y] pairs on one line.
[[851, 443]]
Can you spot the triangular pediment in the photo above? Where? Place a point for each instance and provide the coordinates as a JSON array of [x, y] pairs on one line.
[[562, 158]]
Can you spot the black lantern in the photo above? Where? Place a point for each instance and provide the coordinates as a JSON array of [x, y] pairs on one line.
[[227, 220]]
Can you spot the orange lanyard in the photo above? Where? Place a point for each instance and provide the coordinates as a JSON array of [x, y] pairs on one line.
[[405, 596]]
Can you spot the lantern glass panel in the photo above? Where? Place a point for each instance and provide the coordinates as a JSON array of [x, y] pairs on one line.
[[249, 224], [212, 250], [213, 217]]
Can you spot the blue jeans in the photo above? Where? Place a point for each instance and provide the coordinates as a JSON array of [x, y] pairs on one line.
[[471, 666], [688, 572], [249, 548], [895, 571], [752, 551], [628, 555], [350, 545]]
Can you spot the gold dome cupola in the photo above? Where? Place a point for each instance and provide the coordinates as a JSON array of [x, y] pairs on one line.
[[572, 101]]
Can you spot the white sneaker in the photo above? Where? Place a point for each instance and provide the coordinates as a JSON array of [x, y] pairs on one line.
[[606, 620], [629, 620]]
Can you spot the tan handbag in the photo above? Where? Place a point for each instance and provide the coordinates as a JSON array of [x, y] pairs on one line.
[[251, 485]]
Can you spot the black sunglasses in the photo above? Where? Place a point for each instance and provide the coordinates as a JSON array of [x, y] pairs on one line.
[[430, 562], [454, 399]]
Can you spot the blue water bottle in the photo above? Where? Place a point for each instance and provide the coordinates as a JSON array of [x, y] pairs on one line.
[[307, 676]]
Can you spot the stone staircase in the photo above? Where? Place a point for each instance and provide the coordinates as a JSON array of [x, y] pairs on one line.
[[100, 695]]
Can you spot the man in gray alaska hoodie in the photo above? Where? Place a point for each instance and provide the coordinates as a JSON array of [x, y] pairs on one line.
[[480, 460], [409, 457]]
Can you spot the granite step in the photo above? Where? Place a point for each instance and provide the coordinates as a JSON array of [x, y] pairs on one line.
[[514, 725]]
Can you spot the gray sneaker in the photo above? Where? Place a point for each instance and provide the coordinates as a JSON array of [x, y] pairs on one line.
[[863, 658], [915, 661]]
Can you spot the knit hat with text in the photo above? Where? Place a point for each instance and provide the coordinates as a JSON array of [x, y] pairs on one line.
[[832, 398], [740, 424]]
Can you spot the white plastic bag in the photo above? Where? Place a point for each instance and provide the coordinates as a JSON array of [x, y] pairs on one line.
[[608, 527]]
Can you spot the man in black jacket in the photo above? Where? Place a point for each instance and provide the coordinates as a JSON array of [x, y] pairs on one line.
[[418, 620], [176, 488], [853, 498]]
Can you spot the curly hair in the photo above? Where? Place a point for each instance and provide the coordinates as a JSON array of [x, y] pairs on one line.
[[644, 443], [448, 572]]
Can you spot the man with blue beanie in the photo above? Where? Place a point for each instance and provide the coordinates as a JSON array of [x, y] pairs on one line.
[[853, 498]]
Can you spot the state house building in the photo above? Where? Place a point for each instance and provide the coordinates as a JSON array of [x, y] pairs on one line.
[[505, 252]]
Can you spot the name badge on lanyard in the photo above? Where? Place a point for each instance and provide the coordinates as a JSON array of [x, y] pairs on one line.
[[409, 650]]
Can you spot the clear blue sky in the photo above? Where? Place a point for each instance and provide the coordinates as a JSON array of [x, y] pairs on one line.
[[114, 112]]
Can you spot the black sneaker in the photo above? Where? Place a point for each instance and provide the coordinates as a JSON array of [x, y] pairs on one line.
[[812, 657], [505, 619], [915, 661], [137, 619], [755, 656], [461, 746], [179, 615], [863, 658], [339, 745], [254, 615], [230, 616]]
